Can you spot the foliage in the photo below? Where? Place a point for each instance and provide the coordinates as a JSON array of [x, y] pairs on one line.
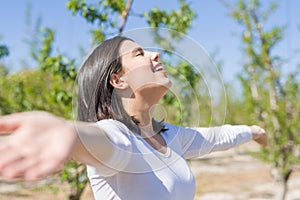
[[50, 86], [270, 95], [179, 21], [63, 68], [3, 51], [104, 15], [110, 17], [188, 97]]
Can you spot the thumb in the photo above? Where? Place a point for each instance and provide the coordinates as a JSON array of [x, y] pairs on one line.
[[9, 123]]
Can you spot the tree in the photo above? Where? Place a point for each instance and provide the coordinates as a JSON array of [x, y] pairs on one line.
[[4, 107], [49, 86], [110, 16], [57, 72], [269, 94]]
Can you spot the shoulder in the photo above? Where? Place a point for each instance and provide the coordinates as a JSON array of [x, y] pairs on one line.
[[182, 132], [174, 130], [177, 129], [171, 128], [108, 122], [111, 125]]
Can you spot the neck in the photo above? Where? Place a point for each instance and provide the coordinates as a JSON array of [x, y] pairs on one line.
[[141, 108], [140, 105]]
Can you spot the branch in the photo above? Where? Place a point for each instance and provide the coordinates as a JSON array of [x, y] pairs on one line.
[[125, 15], [270, 65], [276, 78]]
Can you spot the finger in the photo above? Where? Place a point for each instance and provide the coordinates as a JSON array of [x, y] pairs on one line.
[[41, 170], [18, 168], [8, 174], [8, 156]]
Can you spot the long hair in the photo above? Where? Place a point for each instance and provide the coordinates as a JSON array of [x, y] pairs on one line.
[[96, 97]]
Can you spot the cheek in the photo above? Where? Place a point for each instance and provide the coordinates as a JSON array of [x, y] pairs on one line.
[[139, 76], [137, 65]]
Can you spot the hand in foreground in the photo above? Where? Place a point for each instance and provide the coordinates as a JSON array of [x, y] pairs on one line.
[[259, 135], [38, 144]]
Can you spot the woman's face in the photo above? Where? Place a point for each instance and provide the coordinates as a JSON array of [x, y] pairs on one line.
[[142, 69]]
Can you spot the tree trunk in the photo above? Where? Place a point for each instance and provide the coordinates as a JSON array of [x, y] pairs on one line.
[[284, 190]]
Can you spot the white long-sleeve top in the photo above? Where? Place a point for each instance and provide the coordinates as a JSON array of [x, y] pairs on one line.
[[137, 171]]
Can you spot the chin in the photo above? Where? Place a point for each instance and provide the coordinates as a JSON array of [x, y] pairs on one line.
[[167, 84], [165, 88]]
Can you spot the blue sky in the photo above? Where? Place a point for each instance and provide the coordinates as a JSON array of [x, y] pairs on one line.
[[212, 29]]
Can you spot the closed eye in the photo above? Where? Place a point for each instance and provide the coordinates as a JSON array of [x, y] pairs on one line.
[[138, 52]]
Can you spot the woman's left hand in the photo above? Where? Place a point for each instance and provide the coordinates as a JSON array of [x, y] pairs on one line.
[[259, 135]]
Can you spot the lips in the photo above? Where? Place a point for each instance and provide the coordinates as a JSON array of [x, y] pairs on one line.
[[158, 67]]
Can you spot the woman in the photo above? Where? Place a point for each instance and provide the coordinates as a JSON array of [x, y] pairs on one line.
[[129, 155]]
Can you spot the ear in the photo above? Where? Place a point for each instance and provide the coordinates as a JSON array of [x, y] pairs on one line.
[[117, 81]]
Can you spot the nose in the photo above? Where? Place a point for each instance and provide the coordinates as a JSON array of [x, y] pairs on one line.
[[155, 56]]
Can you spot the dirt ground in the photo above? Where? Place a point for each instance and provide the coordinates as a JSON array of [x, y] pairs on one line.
[[229, 175]]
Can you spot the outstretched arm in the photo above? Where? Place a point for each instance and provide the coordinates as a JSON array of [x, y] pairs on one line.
[[38, 144], [200, 141]]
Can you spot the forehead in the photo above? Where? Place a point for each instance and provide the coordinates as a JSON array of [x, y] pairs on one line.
[[128, 46]]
